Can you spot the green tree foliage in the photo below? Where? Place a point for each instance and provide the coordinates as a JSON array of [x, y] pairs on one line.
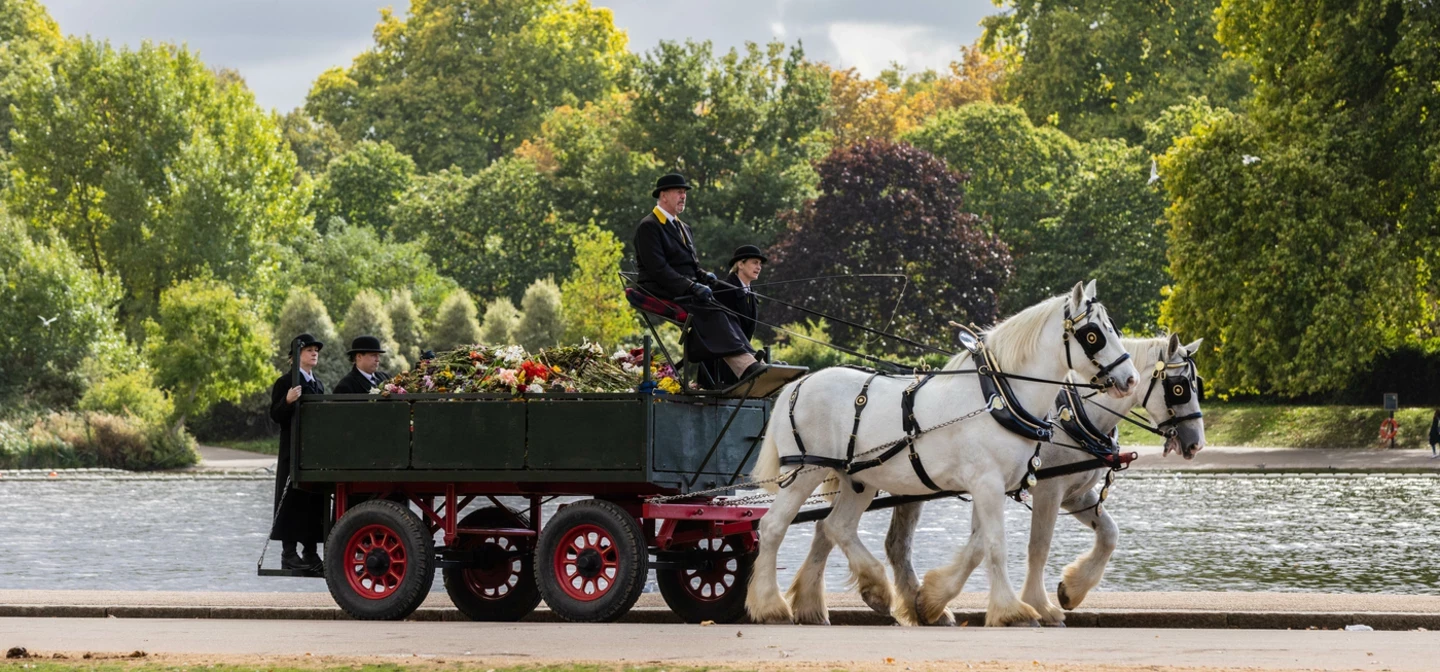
[[593, 297], [461, 82], [133, 393], [744, 126], [347, 259], [153, 171], [314, 145], [29, 38], [367, 317], [409, 326], [493, 232], [892, 208], [455, 325], [1102, 68], [361, 185], [501, 317], [304, 313], [1303, 233], [1177, 122], [542, 318], [54, 313], [206, 347]]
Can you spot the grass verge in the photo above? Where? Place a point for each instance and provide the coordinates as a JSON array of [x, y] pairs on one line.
[[270, 446], [1272, 426]]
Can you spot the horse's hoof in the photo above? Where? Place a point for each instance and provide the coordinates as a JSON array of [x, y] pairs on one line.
[[1055, 624], [1024, 624], [1064, 597], [947, 619], [879, 603]]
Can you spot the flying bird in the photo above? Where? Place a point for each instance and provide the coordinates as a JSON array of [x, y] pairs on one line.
[[1154, 172], [47, 322]]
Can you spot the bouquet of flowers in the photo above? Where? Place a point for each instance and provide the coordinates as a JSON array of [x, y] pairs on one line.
[[482, 369]]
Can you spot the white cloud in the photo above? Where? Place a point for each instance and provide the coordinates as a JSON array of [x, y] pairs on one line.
[[872, 47], [778, 29]]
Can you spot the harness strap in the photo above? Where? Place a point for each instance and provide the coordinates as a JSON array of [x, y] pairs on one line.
[[920, 468], [795, 430], [861, 400]]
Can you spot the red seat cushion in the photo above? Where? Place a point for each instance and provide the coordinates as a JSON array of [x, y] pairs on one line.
[[655, 305]]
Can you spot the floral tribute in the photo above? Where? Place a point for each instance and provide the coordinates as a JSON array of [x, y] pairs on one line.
[[482, 369]]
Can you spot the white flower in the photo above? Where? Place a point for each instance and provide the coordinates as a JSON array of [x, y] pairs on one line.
[[534, 387], [627, 367], [374, 390], [512, 355], [620, 355]]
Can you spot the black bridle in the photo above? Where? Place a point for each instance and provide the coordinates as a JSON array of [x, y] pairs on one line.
[[1177, 389], [1091, 337]]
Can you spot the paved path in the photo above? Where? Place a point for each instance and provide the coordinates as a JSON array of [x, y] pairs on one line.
[[215, 458], [764, 646]]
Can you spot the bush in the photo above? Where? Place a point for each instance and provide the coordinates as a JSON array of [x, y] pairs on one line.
[[804, 352], [305, 314], [455, 324], [367, 317], [131, 393], [409, 328], [92, 439], [541, 323], [500, 320]]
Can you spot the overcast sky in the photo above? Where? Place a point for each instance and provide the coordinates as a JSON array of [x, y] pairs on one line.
[[280, 46]]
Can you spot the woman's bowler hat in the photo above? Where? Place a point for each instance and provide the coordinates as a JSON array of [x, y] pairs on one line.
[[306, 340], [364, 344], [671, 181], [747, 252]]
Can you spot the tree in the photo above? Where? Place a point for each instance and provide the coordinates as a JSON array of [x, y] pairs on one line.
[[347, 259], [314, 145], [593, 298], [483, 73], [501, 317], [409, 327], [1303, 231], [362, 185], [493, 232], [206, 347], [542, 319], [888, 106], [1102, 68], [154, 172], [890, 207], [29, 38], [366, 316], [54, 313], [455, 325], [303, 313]]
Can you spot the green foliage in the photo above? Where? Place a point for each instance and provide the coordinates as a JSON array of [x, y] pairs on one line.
[[1303, 233], [361, 185], [347, 259], [501, 318], [593, 296], [54, 313], [367, 317], [1102, 68], [130, 393], [493, 232], [484, 75], [1288, 426], [304, 313], [455, 325], [29, 38], [1176, 122], [542, 320], [409, 327], [806, 345], [153, 171], [207, 347], [92, 439], [314, 145]]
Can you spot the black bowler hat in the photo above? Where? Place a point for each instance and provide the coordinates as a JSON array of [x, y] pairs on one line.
[[364, 344], [671, 181], [747, 252], [306, 340]]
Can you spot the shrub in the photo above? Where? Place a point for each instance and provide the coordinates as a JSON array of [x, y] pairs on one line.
[[305, 314], [409, 328], [500, 320], [92, 439], [131, 393], [541, 323], [455, 323], [367, 316]]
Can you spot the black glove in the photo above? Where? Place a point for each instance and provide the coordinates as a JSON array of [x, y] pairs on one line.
[[702, 292], [708, 278]]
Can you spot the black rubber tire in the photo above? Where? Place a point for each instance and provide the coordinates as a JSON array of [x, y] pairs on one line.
[[629, 555], [511, 602], [419, 555], [691, 607]]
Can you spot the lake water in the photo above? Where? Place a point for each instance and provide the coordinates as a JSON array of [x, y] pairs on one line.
[[1371, 534]]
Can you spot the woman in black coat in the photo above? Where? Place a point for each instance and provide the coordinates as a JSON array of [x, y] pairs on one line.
[[735, 295], [299, 514]]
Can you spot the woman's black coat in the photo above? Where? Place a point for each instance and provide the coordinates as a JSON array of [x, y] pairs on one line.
[[301, 517], [740, 301]]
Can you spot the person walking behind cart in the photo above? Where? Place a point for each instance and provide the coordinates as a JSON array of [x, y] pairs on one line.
[[299, 514], [1434, 434], [669, 268], [365, 370]]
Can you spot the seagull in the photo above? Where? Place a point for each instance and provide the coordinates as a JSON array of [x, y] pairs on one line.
[[1248, 159], [1154, 172], [49, 321]]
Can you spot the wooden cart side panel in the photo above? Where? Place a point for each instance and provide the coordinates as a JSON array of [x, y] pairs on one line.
[[684, 434], [603, 435], [478, 435], [337, 435]]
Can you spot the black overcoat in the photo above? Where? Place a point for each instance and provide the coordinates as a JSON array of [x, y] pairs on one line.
[[668, 265], [355, 383], [741, 302], [301, 516]]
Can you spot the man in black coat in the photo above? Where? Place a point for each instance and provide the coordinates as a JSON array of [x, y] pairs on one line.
[[365, 373], [669, 268], [299, 514]]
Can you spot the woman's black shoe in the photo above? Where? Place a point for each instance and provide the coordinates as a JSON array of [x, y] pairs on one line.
[[292, 560], [752, 371]]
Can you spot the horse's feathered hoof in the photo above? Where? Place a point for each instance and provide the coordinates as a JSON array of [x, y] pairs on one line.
[[1064, 597]]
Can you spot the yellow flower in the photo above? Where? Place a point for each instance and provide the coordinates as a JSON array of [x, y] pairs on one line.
[[670, 385]]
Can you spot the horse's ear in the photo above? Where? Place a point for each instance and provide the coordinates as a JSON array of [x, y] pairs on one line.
[[1172, 347], [1077, 297], [1194, 347], [1090, 290]]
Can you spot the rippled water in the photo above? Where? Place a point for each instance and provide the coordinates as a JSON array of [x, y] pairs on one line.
[[1331, 534]]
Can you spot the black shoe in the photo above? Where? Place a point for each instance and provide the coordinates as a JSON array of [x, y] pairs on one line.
[[292, 560], [312, 559], [753, 371]]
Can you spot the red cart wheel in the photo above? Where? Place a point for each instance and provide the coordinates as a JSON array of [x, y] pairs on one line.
[[500, 586], [712, 585], [379, 561], [593, 562]]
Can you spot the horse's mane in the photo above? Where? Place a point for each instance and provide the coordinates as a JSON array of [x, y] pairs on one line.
[[1017, 338], [1146, 351]]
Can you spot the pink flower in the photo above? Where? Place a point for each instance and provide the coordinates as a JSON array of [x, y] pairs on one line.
[[429, 384], [507, 376]]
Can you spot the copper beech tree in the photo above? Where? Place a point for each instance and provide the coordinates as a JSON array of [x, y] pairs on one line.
[[888, 207]]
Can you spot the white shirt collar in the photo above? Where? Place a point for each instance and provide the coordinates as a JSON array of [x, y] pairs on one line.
[[306, 374], [368, 376], [668, 216]]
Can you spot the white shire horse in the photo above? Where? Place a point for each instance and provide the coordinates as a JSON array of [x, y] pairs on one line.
[[1173, 394], [823, 429]]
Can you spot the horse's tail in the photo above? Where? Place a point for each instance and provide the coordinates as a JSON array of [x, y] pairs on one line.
[[767, 465]]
